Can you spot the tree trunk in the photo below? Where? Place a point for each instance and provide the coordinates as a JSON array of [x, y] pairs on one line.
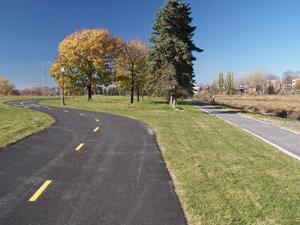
[[132, 87], [174, 103], [171, 99], [137, 95], [89, 87]]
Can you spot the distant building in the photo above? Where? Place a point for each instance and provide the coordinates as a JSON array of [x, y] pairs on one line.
[[252, 90], [294, 81], [196, 89], [276, 84], [287, 88], [241, 89]]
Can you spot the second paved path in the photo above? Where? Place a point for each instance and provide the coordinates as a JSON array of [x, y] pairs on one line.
[[284, 139]]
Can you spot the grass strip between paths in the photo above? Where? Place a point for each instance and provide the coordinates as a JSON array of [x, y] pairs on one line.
[[222, 174], [17, 123]]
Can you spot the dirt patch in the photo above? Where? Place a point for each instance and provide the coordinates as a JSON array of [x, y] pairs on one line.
[[290, 114], [281, 113]]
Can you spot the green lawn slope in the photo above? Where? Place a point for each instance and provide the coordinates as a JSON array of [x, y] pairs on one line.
[[18, 123], [222, 174]]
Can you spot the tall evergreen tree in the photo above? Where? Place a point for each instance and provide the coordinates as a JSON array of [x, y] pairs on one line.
[[221, 82], [170, 58], [228, 83]]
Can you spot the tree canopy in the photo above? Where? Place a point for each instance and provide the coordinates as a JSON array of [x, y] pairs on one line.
[[228, 83], [297, 85], [221, 82], [130, 67], [88, 57], [6, 87], [170, 58]]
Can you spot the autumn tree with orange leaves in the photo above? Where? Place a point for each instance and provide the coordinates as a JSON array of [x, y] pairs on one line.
[[6, 87], [130, 67], [88, 57]]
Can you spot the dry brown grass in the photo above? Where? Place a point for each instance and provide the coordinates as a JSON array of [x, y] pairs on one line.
[[286, 106]]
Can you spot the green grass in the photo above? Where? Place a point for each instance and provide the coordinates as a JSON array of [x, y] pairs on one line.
[[17, 123], [222, 174]]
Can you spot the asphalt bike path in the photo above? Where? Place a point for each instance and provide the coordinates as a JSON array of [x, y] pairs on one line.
[[87, 168], [285, 140]]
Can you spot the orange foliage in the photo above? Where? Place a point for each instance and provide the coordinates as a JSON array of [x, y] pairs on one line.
[[87, 56]]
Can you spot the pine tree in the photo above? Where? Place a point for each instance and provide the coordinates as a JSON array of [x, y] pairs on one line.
[[170, 58], [270, 90]]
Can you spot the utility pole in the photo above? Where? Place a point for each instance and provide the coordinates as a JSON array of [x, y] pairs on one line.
[[43, 68]]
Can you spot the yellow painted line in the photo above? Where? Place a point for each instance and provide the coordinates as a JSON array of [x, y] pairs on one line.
[[81, 114], [97, 128], [66, 111], [79, 146], [97, 120], [49, 109], [40, 191]]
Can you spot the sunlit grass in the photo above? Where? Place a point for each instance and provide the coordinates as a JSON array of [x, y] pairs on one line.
[[222, 174], [17, 123]]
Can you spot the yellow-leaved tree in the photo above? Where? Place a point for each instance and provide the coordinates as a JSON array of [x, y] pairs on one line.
[[6, 88], [297, 85], [130, 68], [87, 57]]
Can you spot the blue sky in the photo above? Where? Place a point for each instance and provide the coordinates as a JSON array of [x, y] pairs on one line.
[[236, 35]]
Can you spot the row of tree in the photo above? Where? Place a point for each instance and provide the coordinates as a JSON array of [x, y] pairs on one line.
[[259, 79], [220, 87], [39, 91], [92, 58]]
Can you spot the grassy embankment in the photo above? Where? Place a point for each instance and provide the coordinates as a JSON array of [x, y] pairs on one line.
[[17, 123], [278, 106], [222, 174]]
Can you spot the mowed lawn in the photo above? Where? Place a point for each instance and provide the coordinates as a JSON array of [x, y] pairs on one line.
[[222, 174], [17, 123]]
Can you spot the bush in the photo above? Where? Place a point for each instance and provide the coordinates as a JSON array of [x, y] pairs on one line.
[[270, 90]]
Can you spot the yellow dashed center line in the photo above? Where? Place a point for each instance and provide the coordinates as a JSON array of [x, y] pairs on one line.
[[40, 191], [97, 128], [97, 120], [49, 108], [79, 146], [81, 114], [66, 111]]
